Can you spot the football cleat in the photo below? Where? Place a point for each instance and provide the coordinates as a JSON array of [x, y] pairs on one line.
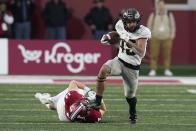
[[133, 119], [43, 97]]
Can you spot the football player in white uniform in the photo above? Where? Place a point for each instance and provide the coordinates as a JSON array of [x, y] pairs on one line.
[[133, 42], [73, 103]]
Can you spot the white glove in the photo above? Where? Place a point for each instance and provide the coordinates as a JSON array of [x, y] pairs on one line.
[[124, 36], [105, 38], [86, 89], [91, 95]]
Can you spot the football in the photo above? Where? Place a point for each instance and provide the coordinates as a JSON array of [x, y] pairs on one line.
[[113, 37]]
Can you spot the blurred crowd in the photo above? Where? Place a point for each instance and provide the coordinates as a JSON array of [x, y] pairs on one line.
[[16, 17]]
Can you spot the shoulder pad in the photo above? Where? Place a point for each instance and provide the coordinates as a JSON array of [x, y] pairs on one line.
[[144, 32], [119, 26]]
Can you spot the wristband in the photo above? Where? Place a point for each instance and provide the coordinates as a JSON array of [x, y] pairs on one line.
[[98, 100]]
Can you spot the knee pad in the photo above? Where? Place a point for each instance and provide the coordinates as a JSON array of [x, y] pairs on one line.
[[129, 93]]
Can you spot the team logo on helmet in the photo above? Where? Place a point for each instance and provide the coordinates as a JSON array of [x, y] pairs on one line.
[[137, 15], [125, 14]]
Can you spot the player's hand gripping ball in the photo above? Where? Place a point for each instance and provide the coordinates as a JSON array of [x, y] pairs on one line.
[[110, 38]]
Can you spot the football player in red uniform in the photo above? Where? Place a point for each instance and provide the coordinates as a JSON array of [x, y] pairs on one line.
[[74, 103]]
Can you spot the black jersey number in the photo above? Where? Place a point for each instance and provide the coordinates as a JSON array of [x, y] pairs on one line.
[[127, 51]]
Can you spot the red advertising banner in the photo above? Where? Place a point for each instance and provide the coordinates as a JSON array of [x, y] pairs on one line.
[[39, 57]]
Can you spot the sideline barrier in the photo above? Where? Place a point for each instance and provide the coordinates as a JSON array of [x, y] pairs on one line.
[[51, 57]]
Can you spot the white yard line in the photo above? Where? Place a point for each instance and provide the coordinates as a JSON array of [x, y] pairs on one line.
[[192, 91], [165, 116], [186, 100], [118, 123], [189, 111], [26, 110], [55, 116], [25, 116], [46, 110], [163, 99]]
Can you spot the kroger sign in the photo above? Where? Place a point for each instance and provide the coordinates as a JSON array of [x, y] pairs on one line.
[[55, 57]]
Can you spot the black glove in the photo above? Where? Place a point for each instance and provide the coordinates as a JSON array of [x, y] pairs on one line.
[[97, 102]]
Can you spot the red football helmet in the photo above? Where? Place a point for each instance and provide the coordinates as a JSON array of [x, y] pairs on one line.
[[82, 110], [93, 115], [78, 108]]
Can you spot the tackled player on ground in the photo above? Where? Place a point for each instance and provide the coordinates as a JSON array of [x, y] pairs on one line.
[[74, 104]]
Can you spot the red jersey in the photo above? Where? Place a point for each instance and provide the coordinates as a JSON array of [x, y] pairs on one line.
[[70, 98]]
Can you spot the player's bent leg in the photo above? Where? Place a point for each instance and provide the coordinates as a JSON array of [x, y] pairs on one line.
[[51, 106], [100, 85], [111, 67], [101, 78], [61, 110], [55, 99]]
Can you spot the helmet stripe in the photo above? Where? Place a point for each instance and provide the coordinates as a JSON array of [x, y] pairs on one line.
[[75, 113]]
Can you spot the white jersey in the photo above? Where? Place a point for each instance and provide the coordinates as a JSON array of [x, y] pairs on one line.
[[125, 53]]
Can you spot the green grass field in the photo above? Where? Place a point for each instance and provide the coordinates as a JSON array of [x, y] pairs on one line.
[[160, 108]]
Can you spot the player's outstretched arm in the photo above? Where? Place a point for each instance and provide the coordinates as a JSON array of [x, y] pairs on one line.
[[74, 85]]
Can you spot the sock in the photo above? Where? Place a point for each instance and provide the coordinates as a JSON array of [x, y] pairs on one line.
[[132, 105]]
